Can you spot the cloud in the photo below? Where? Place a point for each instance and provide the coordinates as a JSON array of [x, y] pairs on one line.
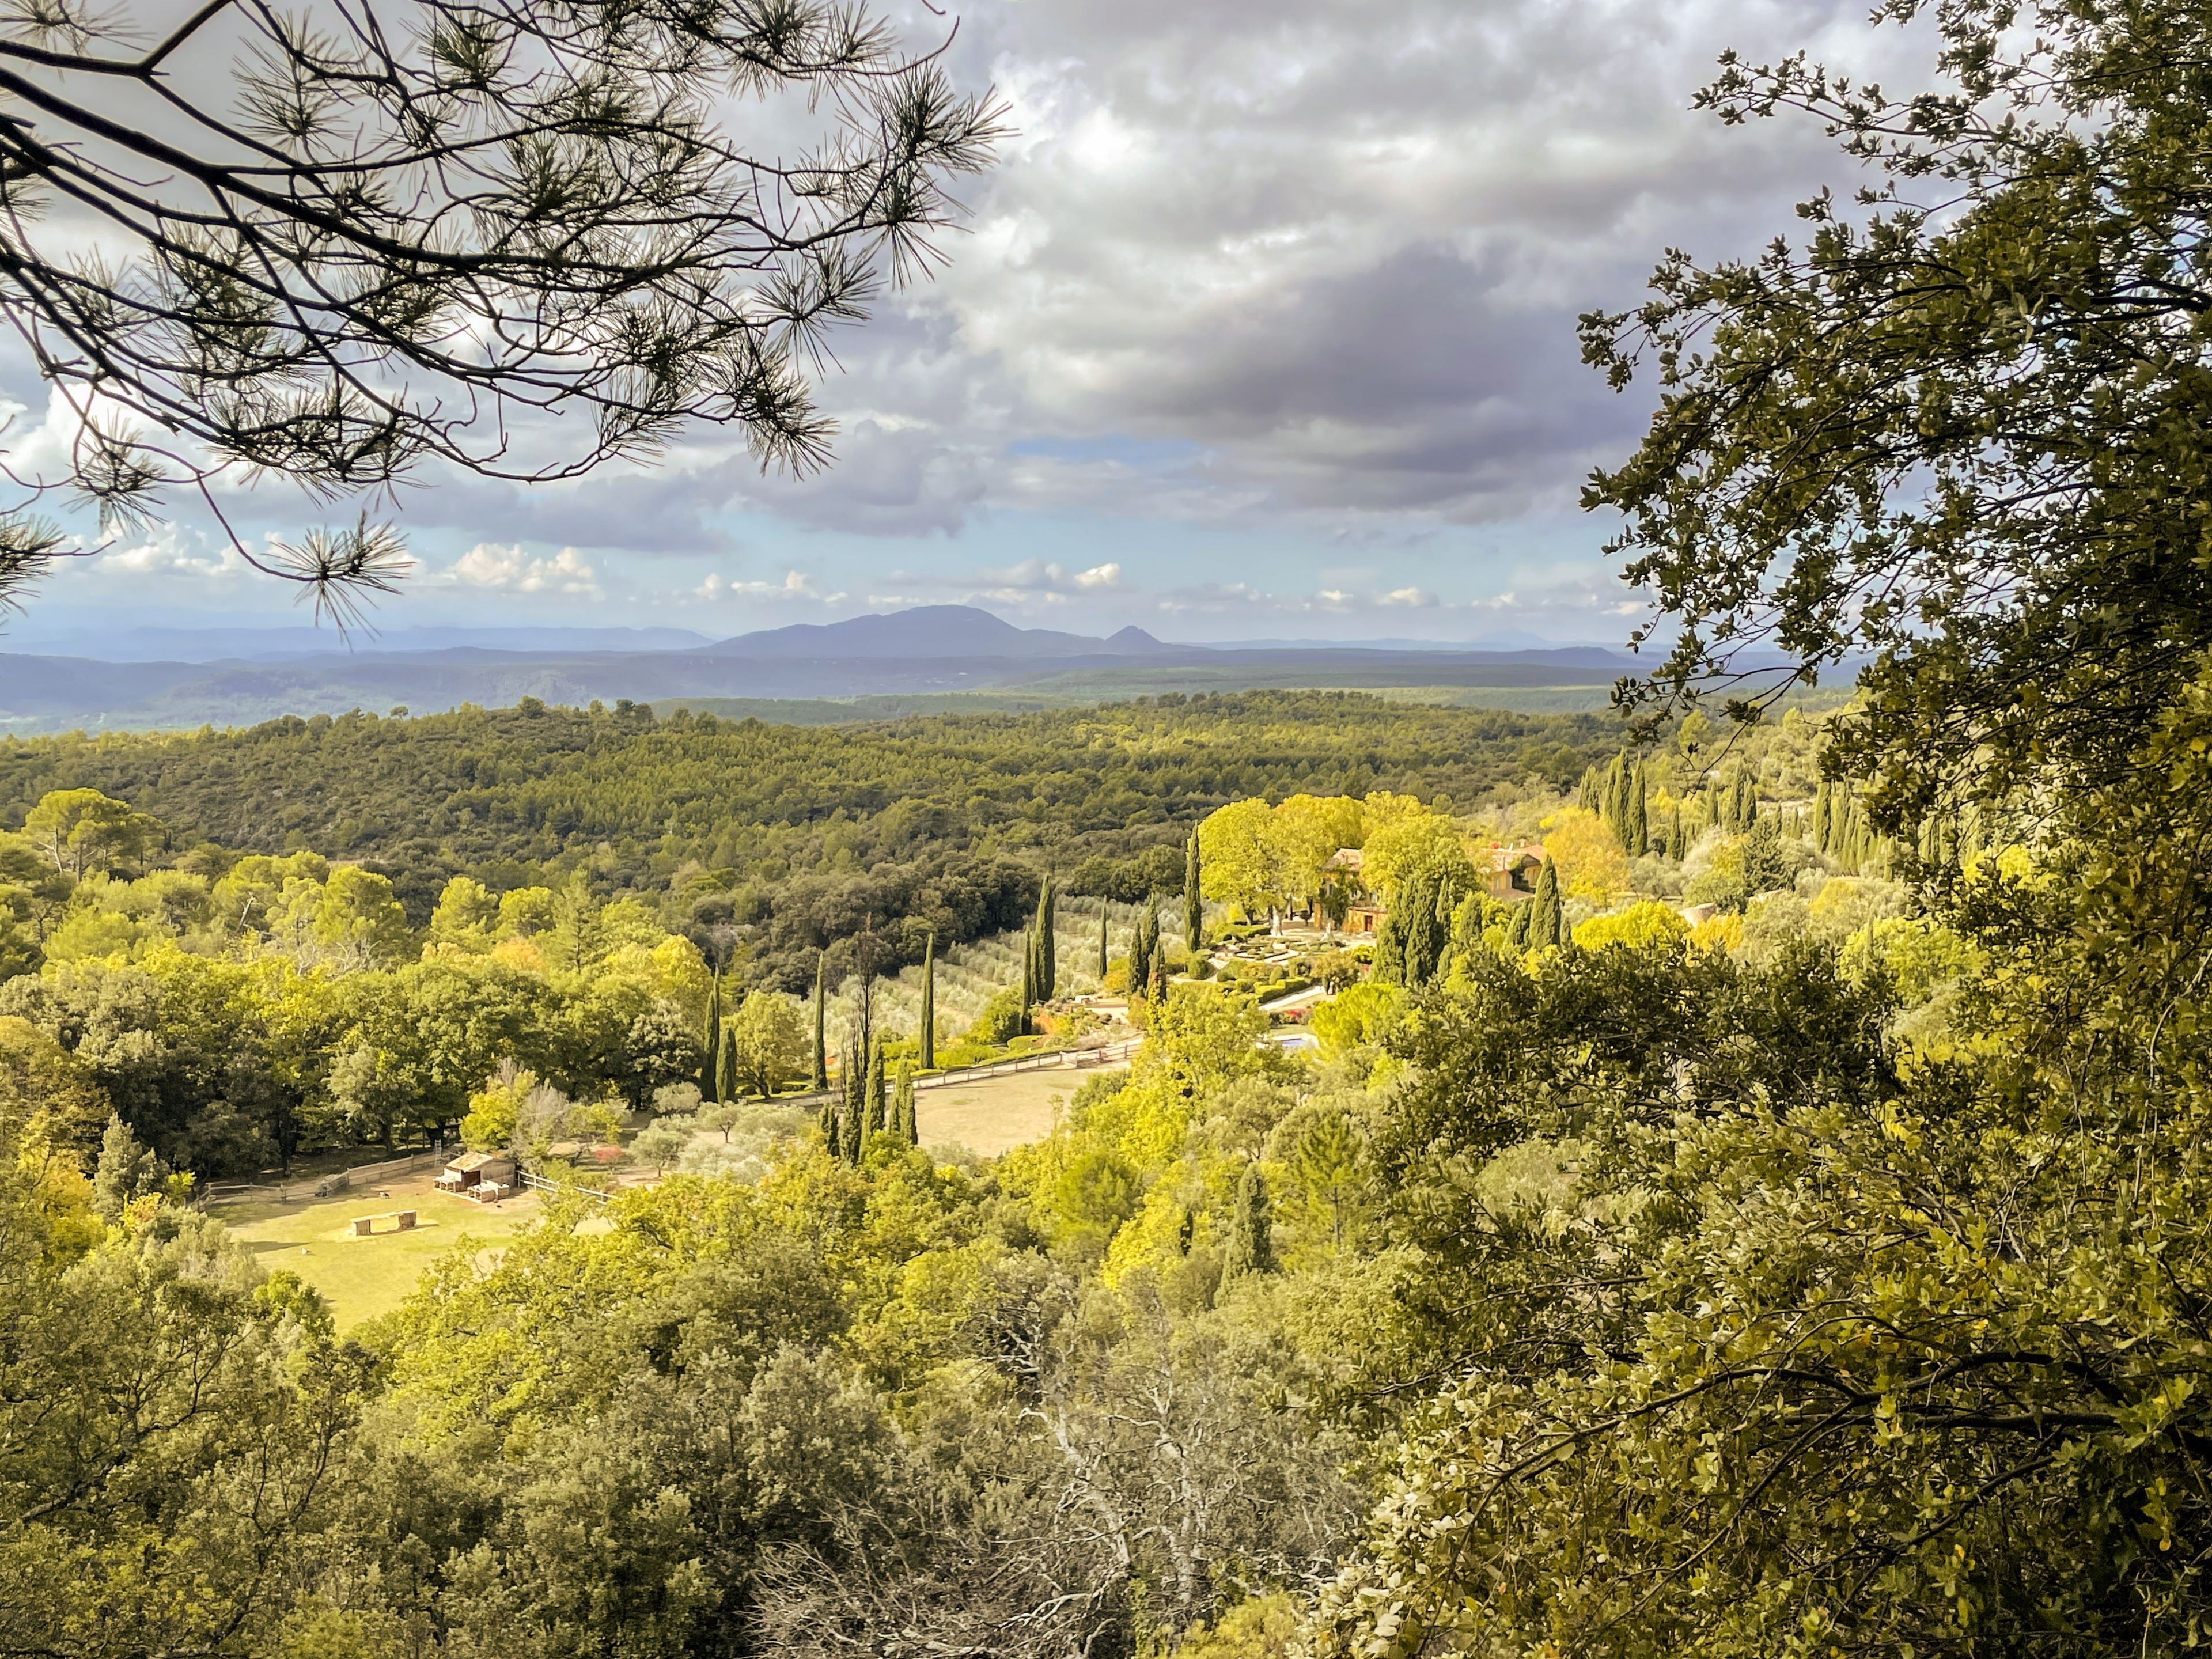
[[1029, 578], [796, 587], [171, 550], [510, 570]]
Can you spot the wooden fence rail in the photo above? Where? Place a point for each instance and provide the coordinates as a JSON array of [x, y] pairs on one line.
[[324, 1186]]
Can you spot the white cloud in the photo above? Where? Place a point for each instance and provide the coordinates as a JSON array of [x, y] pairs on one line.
[[510, 570], [170, 549], [796, 586]]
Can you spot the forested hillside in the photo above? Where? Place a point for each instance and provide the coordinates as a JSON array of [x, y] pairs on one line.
[[799, 834]]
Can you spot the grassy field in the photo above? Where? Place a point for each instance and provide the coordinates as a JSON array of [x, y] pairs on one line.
[[996, 1114], [365, 1277]]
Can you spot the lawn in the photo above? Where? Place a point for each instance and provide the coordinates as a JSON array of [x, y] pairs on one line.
[[999, 1113], [365, 1277]]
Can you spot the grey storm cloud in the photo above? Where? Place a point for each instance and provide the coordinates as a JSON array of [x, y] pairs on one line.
[[1296, 261]]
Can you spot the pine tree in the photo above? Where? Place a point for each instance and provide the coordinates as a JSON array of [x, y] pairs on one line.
[[1251, 1232], [127, 1169], [710, 1043], [902, 1123], [725, 1065], [820, 1029], [872, 1119], [1194, 902], [1548, 925], [929, 1004]]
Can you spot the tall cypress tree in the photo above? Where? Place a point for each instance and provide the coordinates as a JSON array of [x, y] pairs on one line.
[[1548, 925], [1194, 902], [1517, 930], [725, 1065], [902, 1123], [1102, 907], [1638, 839], [828, 1120], [1028, 976], [710, 1043], [821, 1078], [854, 1127], [1047, 944], [1251, 1229], [929, 1004], [871, 1096]]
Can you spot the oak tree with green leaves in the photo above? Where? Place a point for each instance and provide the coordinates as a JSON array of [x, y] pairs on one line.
[[1962, 427]]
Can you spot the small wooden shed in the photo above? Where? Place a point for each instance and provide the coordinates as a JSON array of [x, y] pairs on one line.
[[473, 1170]]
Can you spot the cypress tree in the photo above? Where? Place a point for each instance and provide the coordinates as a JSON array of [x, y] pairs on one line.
[[1587, 796], [1638, 838], [1615, 798], [1391, 966], [1029, 978], [1820, 805], [1194, 902], [1140, 951], [828, 1116], [1548, 925], [1102, 905], [1159, 976], [902, 1124], [872, 1121], [710, 1043], [1516, 931], [821, 1078], [1251, 1231], [854, 1127], [726, 1067], [1047, 944], [929, 1004]]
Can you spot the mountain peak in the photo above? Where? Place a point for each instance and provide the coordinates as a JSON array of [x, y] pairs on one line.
[[926, 632]]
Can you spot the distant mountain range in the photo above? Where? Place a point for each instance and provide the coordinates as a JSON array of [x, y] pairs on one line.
[[930, 651]]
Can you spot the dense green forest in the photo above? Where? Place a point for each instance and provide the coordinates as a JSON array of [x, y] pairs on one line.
[[796, 835], [1783, 1230]]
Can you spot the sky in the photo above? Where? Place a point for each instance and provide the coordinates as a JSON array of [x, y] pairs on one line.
[[1262, 326]]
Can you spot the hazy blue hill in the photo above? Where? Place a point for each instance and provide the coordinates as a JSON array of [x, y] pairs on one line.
[[934, 652], [928, 632]]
